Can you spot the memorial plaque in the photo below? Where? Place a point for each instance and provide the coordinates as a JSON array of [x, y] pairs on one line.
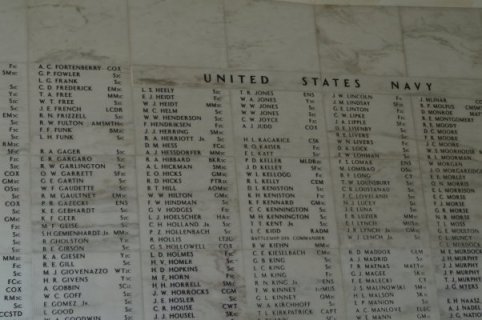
[[240, 159]]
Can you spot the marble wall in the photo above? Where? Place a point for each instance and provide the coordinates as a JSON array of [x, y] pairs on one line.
[[240, 159], [402, 3]]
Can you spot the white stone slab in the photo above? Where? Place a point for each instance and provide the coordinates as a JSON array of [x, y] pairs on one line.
[[267, 36], [354, 40], [185, 33]]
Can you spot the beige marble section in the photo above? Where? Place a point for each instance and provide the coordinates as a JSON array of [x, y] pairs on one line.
[[270, 36], [360, 40], [178, 33], [89, 31], [14, 43], [443, 42]]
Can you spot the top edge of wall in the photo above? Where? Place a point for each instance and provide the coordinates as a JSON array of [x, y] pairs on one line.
[[401, 3]]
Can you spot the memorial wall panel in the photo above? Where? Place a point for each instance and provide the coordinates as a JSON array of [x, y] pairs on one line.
[[244, 159]]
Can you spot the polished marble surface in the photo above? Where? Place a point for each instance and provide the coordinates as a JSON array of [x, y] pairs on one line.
[[240, 159], [355, 40]]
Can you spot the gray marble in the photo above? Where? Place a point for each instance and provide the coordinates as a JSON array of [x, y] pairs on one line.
[[267, 36], [13, 18], [360, 40], [184, 33], [239, 159], [87, 32], [444, 43]]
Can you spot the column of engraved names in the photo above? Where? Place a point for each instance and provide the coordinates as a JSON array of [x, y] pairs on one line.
[[448, 129], [14, 200], [188, 217], [286, 214], [380, 211], [83, 206]]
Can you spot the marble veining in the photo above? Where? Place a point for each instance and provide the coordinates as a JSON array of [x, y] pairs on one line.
[[360, 40], [13, 17], [270, 36], [239, 159], [69, 31], [186, 33], [443, 42]]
